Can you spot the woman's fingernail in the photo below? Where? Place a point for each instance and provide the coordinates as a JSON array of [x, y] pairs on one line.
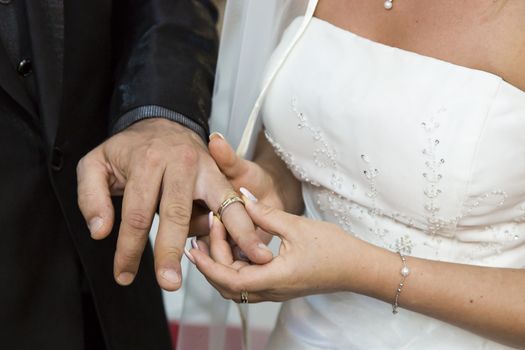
[[194, 243], [95, 225], [248, 194], [171, 276], [125, 278], [189, 256], [216, 134], [263, 246], [210, 219]]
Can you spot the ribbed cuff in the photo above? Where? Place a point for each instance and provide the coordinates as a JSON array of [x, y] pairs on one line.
[[147, 112]]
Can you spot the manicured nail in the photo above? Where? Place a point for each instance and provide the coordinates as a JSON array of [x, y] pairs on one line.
[[125, 278], [194, 243], [189, 256], [95, 225], [263, 246], [210, 219], [171, 276], [216, 134], [248, 194]]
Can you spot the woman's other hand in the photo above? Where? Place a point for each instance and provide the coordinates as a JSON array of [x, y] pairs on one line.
[[315, 257]]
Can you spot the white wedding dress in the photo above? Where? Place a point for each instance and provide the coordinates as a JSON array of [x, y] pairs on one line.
[[407, 152]]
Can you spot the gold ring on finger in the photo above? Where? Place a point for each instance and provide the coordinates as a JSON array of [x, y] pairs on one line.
[[227, 202]]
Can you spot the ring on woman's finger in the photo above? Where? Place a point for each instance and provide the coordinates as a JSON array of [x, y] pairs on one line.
[[244, 297], [226, 203]]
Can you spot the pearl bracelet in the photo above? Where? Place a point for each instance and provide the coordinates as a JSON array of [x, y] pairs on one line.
[[405, 271]]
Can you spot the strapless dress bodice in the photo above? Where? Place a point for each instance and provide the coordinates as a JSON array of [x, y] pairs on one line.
[[408, 152]]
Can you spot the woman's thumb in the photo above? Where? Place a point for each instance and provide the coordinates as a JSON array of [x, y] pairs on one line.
[[228, 162]]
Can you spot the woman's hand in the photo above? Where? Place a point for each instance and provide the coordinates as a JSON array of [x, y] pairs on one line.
[[317, 257], [244, 173], [268, 178], [314, 258]]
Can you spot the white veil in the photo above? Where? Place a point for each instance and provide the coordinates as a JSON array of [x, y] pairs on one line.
[[251, 31]]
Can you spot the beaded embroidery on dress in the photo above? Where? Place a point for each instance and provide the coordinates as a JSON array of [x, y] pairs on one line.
[[433, 170]]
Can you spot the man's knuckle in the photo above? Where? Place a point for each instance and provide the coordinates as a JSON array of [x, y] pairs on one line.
[[138, 220], [188, 155], [176, 213], [172, 251], [129, 256], [153, 156]]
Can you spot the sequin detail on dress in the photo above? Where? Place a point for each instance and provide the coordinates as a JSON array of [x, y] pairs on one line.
[[347, 212], [432, 174]]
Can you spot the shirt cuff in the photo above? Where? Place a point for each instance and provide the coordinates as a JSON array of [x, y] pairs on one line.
[[146, 112]]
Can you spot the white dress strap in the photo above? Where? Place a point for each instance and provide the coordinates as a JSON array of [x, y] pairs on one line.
[[249, 129]]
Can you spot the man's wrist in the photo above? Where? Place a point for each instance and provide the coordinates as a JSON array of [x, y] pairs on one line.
[[152, 111]]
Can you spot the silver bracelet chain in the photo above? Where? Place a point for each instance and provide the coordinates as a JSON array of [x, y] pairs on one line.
[[405, 271]]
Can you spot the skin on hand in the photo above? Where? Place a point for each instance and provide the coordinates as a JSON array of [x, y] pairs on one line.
[[244, 173], [298, 270], [157, 163], [267, 176]]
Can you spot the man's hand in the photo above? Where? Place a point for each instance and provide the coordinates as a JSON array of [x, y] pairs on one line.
[[157, 161]]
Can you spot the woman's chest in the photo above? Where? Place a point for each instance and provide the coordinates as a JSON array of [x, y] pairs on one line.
[[486, 35], [398, 132]]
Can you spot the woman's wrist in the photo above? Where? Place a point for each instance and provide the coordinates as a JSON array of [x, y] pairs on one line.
[[287, 189], [372, 271], [284, 186]]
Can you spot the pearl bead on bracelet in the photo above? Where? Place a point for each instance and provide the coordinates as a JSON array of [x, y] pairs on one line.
[[405, 271]]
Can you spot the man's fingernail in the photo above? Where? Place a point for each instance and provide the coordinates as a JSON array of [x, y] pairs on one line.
[[189, 256], [95, 225], [125, 278], [210, 219], [216, 134], [171, 276], [248, 194], [263, 246], [194, 243]]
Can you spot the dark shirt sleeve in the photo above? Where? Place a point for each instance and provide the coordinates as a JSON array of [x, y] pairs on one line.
[[164, 61], [146, 112]]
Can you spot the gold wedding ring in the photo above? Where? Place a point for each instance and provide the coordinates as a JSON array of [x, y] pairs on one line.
[[244, 297], [227, 202]]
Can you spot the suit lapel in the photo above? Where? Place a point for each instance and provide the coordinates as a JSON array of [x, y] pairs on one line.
[[10, 82], [46, 20]]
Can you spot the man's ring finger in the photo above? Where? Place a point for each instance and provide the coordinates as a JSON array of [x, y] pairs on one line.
[[227, 202]]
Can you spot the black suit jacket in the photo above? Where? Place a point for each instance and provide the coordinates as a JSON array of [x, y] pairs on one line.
[[117, 55]]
